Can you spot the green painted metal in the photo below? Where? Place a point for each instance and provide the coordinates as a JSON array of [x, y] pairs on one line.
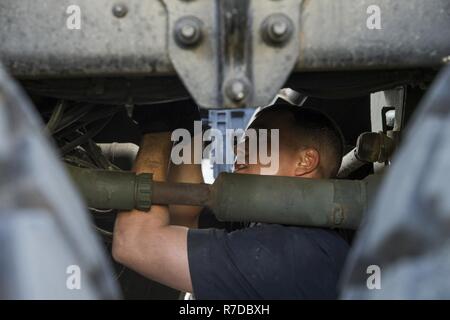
[[120, 190], [291, 200], [237, 197]]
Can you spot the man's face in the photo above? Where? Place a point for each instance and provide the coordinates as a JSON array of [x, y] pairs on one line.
[[289, 159], [254, 160], [282, 157]]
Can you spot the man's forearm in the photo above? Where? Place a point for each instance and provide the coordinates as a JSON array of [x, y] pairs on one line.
[[144, 241]]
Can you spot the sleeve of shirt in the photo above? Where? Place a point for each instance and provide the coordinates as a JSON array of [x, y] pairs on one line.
[[243, 264]]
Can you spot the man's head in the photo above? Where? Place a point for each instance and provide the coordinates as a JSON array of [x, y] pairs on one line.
[[310, 143]]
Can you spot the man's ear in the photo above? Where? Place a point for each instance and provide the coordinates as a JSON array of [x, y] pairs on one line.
[[308, 161]]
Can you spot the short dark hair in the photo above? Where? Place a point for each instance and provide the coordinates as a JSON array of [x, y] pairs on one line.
[[314, 129]]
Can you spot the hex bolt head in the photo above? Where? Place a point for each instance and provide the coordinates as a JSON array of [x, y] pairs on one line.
[[188, 31], [277, 29], [119, 10], [236, 90]]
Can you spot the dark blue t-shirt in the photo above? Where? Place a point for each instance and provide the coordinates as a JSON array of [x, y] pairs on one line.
[[267, 261]]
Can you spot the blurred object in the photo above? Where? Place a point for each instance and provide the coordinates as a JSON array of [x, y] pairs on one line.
[[370, 147], [46, 236], [406, 231]]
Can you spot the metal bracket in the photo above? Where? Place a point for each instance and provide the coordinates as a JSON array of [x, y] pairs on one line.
[[394, 98], [213, 46]]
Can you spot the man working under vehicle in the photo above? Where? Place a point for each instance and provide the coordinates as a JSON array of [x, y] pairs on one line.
[[265, 261]]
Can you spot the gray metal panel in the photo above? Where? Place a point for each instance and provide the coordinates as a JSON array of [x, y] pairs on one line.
[[333, 35], [35, 40]]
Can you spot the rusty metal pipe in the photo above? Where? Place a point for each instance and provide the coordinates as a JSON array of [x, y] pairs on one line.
[[190, 194]]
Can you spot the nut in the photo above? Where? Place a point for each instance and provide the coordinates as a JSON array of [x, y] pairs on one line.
[[277, 29], [188, 31], [237, 90]]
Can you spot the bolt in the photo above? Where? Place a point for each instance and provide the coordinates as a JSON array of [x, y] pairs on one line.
[[120, 10], [188, 31], [236, 90], [277, 29], [446, 59]]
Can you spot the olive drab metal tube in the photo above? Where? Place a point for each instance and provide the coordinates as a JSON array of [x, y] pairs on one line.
[[291, 200], [236, 197], [103, 189]]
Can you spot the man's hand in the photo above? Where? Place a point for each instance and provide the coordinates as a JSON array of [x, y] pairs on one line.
[[145, 242]]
